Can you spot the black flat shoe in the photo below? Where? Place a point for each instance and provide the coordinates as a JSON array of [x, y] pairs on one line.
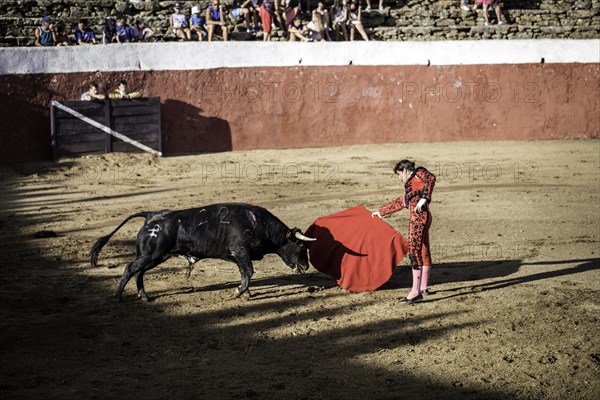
[[415, 299], [426, 292]]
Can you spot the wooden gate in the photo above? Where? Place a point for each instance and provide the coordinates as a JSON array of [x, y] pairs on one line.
[[96, 127]]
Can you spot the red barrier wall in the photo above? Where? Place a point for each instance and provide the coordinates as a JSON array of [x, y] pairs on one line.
[[276, 107]]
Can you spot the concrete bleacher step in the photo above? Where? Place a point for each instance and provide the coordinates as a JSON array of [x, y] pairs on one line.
[[506, 31]]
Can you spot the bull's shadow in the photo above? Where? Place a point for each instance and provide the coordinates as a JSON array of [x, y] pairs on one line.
[[185, 130], [260, 289]]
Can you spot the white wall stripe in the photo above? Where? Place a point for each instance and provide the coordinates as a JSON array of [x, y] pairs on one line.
[[105, 128], [202, 55]]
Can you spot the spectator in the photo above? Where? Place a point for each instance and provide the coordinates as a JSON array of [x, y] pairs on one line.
[[291, 12], [109, 34], [496, 5], [239, 10], [253, 7], [215, 21], [340, 19], [354, 18], [92, 93], [83, 34], [124, 31], [368, 8], [121, 92], [62, 38], [463, 5], [298, 31], [141, 31], [267, 8], [178, 25], [320, 22], [280, 15], [44, 35], [197, 23]]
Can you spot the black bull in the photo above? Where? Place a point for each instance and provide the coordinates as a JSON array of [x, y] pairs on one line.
[[234, 232]]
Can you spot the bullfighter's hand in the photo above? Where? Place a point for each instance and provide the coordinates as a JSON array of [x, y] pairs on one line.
[[419, 206]]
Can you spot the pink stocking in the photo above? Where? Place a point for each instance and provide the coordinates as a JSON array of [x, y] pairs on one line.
[[425, 277], [416, 284]]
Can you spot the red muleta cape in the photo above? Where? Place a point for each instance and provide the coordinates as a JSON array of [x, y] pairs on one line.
[[357, 250]]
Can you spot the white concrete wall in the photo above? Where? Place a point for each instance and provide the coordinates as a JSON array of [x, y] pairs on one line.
[[198, 56]]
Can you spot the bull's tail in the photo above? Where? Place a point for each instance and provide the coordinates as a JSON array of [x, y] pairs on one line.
[[104, 239]]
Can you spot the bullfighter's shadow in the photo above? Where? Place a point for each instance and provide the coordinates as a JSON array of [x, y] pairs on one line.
[[186, 131], [472, 272]]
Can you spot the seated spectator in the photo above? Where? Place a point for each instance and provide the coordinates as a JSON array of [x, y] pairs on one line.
[[178, 24], [355, 21], [62, 38], [340, 19], [92, 93], [267, 9], [291, 12], [109, 34], [298, 31], [197, 23], [141, 31], [368, 8], [44, 34], [496, 5], [215, 21], [239, 10], [253, 7], [121, 92], [320, 22], [83, 34], [279, 14], [124, 31]]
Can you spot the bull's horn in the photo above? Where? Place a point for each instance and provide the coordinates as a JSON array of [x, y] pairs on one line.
[[305, 238]]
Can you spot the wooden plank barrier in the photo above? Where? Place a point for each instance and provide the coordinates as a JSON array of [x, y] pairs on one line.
[[104, 126]]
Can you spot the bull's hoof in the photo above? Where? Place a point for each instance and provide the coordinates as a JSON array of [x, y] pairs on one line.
[[245, 294], [142, 295]]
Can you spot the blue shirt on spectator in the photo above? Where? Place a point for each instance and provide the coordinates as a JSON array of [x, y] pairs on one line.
[[197, 21], [215, 14], [46, 38], [86, 36], [124, 32]]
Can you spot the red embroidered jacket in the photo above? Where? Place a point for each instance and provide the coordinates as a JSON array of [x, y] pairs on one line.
[[419, 186]]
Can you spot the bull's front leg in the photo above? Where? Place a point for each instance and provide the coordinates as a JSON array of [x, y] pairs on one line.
[[244, 263]]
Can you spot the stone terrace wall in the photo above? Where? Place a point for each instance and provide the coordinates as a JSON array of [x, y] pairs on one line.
[[401, 20]]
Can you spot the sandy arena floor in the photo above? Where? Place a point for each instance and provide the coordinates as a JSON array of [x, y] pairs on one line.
[[515, 313]]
